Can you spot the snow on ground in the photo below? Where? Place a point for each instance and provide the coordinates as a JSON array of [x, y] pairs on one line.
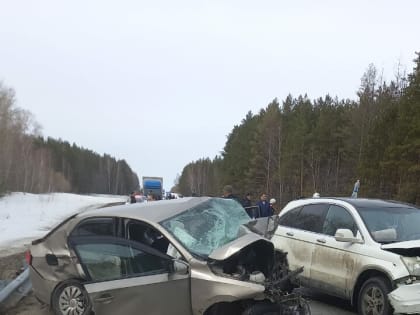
[[24, 217]]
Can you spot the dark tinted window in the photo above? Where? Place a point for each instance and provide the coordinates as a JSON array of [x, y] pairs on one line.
[[290, 218], [338, 218], [311, 217], [95, 227]]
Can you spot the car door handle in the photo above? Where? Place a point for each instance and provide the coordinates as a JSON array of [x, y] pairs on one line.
[[104, 298], [321, 240], [290, 234]]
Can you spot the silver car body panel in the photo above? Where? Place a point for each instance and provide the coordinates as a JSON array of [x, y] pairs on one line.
[[232, 248], [193, 292], [149, 211], [129, 296], [208, 288]]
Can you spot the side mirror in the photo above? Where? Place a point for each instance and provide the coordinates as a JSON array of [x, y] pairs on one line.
[[346, 235], [179, 267]]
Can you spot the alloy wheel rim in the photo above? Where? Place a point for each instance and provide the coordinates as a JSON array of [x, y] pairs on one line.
[[71, 301], [373, 302]]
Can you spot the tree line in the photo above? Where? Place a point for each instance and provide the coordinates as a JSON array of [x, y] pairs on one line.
[[31, 163], [301, 146]]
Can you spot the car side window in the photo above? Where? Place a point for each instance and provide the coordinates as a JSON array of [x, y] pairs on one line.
[[95, 227], [145, 234], [311, 218], [338, 218], [107, 261], [290, 218]]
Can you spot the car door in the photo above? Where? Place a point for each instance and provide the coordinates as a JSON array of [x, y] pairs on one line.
[[296, 234], [129, 278], [333, 263]]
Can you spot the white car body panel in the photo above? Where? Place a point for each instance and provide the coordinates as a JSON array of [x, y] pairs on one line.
[[334, 266], [406, 299], [298, 246]]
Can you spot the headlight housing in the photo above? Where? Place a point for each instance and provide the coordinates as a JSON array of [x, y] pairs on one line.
[[412, 264]]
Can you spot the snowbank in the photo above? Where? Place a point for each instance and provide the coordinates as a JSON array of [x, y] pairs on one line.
[[24, 217]]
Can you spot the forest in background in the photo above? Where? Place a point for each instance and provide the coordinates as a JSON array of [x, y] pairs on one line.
[[290, 149], [30, 163], [301, 146]]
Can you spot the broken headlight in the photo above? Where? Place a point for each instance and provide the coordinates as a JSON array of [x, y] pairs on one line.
[[412, 264]]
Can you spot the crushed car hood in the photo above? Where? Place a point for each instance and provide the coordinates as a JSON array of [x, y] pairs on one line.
[[406, 244], [235, 246], [407, 248]]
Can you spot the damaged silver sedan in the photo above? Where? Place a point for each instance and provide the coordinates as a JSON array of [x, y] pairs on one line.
[[183, 256]]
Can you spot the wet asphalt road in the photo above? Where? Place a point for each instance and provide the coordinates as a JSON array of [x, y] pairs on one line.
[[326, 305], [321, 308]]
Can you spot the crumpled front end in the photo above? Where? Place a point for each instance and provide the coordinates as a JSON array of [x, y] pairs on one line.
[[258, 263], [254, 262], [406, 299]]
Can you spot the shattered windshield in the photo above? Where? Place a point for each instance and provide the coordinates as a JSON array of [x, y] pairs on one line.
[[208, 226], [392, 224]]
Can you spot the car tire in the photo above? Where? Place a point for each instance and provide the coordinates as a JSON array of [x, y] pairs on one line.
[[70, 297], [373, 297], [266, 308]]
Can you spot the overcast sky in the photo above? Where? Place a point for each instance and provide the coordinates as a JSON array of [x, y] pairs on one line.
[[162, 83]]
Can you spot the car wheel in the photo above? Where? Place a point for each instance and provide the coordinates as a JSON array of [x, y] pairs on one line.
[[70, 298], [263, 309], [373, 297]]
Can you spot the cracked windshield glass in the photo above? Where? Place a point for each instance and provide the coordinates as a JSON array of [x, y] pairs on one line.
[[208, 226]]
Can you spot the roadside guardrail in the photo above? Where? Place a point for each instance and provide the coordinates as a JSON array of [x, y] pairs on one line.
[[15, 290]]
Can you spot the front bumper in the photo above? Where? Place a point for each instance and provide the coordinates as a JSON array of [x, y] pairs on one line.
[[406, 299]]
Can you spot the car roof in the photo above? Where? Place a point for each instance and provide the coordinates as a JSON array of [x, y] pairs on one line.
[[356, 202], [374, 203], [154, 211]]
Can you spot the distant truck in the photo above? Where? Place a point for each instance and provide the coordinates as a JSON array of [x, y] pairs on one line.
[[153, 185]]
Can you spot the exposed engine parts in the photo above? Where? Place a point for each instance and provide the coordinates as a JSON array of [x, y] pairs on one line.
[[260, 263]]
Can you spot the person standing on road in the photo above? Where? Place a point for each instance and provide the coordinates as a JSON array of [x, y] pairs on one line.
[[247, 204], [133, 197], [356, 189], [247, 201], [272, 209], [151, 197], [264, 206], [228, 192]]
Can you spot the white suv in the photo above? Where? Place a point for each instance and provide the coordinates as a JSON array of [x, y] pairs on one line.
[[363, 250]]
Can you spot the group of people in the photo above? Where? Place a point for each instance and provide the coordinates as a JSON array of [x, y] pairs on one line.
[[135, 197], [265, 208], [262, 208]]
